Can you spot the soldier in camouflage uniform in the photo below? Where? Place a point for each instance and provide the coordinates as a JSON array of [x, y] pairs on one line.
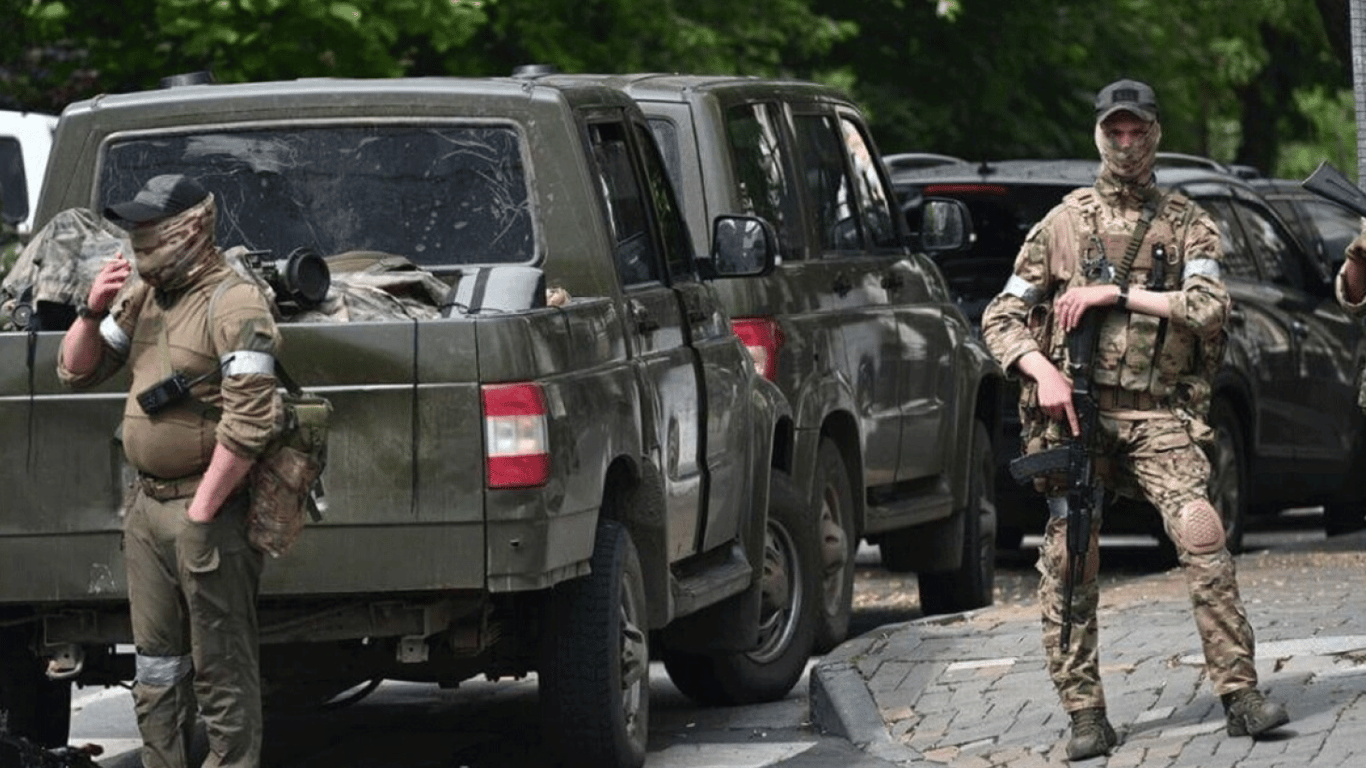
[[192, 575], [1151, 381]]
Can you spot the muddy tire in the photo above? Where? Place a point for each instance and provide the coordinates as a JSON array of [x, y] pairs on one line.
[[594, 671], [833, 502], [973, 584], [787, 618]]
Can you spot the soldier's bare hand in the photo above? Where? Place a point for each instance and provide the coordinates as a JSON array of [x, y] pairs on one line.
[[1072, 305], [108, 282], [1055, 398]]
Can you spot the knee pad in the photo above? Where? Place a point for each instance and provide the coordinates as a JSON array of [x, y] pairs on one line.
[[1199, 529]]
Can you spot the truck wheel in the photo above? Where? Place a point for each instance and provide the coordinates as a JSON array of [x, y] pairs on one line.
[[787, 616], [834, 503], [35, 707], [973, 584], [1228, 473], [595, 660]]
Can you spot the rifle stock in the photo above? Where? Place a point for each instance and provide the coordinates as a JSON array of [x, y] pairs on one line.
[[1327, 181]]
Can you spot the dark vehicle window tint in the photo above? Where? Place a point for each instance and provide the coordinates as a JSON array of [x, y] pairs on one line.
[[828, 183], [634, 250], [441, 195], [13, 183], [1238, 260], [677, 246], [1278, 256], [763, 186], [1336, 225], [1001, 217], [874, 199]]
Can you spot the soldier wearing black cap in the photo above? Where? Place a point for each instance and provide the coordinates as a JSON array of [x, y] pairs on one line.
[[200, 346], [1098, 252]]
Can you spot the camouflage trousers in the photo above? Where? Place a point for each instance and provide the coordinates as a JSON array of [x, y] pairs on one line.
[[1157, 457], [192, 591]]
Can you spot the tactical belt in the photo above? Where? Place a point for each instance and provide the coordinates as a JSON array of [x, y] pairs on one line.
[[1119, 399], [166, 490]]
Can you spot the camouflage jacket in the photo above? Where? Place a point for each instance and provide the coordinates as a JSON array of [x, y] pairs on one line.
[[1138, 352]]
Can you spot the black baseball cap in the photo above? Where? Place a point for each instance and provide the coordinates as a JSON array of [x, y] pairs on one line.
[[1126, 96], [161, 197]]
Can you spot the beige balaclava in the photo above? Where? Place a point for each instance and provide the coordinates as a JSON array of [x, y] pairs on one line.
[[1133, 165]]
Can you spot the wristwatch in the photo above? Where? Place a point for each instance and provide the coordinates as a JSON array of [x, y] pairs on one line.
[[84, 312], [1122, 301]]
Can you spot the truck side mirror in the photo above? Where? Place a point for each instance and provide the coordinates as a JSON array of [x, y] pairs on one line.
[[741, 246], [945, 225]]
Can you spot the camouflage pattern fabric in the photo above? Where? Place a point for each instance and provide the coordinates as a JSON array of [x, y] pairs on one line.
[[60, 261], [1166, 466], [365, 286], [1355, 250], [1149, 453]]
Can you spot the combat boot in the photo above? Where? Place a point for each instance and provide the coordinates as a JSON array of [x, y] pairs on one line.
[[1250, 714], [1092, 735]]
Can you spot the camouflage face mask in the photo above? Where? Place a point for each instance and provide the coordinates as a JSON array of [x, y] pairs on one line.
[[1134, 164], [170, 254]]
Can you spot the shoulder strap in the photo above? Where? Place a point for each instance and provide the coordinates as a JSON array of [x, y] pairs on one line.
[[1150, 211]]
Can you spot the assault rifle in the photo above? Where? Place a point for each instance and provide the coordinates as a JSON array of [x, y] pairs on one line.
[[33, 756], [1077, 459]]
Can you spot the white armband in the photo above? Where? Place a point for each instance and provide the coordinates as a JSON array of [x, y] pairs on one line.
[[114, 336], [1202, 267], [245, 362], [1023, 290]]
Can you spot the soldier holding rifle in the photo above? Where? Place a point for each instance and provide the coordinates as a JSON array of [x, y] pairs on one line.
[[1113, 318]]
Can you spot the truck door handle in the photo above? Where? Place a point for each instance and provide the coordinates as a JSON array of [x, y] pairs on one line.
[[645, 322], [892, 281], [841, 285], [696, 315]]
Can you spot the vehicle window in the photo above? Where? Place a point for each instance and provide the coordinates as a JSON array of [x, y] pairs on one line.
[[763, 185], [13, 183], [678, 252], [634, 250], [438, 194], [1335, 224], [1237, 260], [873, 198], [828, 183], [1279, 258]]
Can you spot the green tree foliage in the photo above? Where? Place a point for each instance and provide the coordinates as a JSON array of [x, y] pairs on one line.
[[1016, 79], [1262, 82]]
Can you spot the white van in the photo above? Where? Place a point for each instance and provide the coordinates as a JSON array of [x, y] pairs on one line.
[[25, 139]]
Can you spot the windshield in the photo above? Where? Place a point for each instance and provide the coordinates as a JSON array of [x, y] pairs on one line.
[[441, 195]]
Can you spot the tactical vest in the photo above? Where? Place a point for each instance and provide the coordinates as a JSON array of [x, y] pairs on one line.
[[1136, 351]]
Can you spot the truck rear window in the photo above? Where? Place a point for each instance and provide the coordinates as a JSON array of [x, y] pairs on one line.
[[441, 195]]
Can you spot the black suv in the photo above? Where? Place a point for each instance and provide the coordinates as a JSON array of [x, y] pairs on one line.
[[1324, 227], [1284, 409]]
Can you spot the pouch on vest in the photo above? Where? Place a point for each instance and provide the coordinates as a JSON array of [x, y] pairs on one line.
[[286, 482]]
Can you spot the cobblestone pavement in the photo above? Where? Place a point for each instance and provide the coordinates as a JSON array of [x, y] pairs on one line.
[[971, 690]]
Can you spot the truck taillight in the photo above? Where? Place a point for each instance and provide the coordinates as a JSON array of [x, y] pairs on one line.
[[763, 338], [517, 448]]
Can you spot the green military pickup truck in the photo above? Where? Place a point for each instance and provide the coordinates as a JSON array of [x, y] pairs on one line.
[[894, 397], [515, 484]]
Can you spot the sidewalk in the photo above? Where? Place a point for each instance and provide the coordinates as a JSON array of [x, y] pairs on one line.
[[971, 690]]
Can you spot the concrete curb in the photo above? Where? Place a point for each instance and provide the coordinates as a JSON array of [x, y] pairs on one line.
[[842, 705]]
